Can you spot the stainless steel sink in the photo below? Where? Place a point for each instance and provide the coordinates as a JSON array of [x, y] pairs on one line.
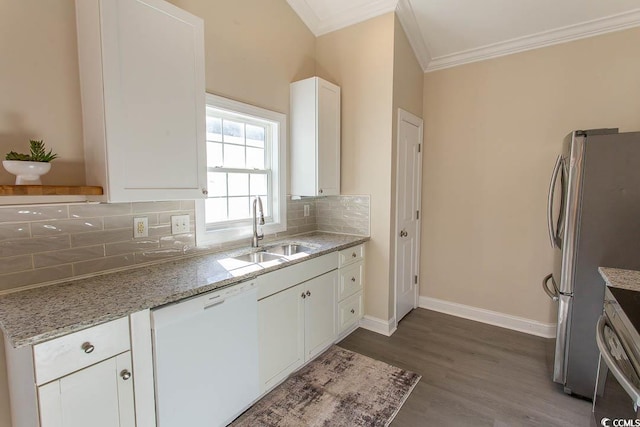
[[258, 257], [288, 250]]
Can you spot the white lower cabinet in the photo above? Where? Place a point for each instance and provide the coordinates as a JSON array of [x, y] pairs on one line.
[[100, 395], [349, 296], [81, 379], [319, 313], [296, 324], [349, 313], [281, 335]]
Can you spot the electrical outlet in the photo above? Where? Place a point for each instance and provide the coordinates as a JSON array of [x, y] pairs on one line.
[[140, 227], [179, 224], [306, 210]]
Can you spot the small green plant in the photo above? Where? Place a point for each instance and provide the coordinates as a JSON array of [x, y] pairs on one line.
[[38, 153]]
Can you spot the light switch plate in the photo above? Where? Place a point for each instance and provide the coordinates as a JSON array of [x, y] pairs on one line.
[[140, 227], [179, 224]]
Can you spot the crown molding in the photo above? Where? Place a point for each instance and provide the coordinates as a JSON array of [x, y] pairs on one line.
[[407, 18], [352, 16], [569, 33]]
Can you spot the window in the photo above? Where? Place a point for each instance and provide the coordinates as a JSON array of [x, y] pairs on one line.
[[245, 160]]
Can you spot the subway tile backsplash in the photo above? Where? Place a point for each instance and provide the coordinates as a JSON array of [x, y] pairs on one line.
[[44, 243], [344, 214]]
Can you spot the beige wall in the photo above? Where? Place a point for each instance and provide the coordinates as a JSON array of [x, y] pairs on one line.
[[255, 48], [39, 87], [360, 60], [408, 81], [492, 132]]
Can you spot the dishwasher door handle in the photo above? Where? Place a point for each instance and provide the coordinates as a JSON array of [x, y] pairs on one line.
[[214, 301]]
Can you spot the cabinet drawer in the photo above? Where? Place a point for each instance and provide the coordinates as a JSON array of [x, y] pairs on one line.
[[351, 255], [349, 311], [61, 356], [350, 280], [279, 280]]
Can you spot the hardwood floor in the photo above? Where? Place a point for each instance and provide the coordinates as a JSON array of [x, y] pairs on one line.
[[473, 374]]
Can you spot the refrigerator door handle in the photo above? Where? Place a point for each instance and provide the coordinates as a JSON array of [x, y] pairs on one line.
[[552, 189], [545, 285]]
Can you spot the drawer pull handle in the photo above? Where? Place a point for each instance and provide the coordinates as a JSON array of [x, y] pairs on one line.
[[308, 293], [125, 374], [353, 255], [88, 347], [303, 296], [353, 311], [353, 279]]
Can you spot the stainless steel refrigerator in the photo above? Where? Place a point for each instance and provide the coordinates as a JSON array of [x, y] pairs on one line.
[[594, 220]]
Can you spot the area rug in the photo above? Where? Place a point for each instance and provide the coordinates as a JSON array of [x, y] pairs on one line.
[[339, 388]]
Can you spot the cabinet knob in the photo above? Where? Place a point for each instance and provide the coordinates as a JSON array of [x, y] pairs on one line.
[[88, 347], [353, 279], [303, 296], [320, 191], [308, 293], [205, 191], [353, 311], [125, 374], [353, 255]]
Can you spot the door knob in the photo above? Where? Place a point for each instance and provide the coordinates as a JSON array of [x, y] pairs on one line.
[[403, 233]]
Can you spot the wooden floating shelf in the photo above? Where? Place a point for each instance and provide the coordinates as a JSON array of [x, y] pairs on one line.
[[49, 190]]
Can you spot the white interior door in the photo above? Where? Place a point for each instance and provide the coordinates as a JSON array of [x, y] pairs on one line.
[[408, 191]]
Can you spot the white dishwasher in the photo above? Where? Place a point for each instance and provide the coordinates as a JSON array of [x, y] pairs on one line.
[[206, 357]]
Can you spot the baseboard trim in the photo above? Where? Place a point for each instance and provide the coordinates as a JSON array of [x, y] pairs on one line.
[[384, 327], [521, 324]]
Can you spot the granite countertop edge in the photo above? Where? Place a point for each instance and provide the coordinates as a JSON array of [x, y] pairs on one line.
[[621, 278], [36, 315]]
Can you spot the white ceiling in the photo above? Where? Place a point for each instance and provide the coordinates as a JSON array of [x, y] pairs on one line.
[[446, 33]]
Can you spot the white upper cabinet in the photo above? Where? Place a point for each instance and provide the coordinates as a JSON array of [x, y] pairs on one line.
[[315, 138], [143, 99]]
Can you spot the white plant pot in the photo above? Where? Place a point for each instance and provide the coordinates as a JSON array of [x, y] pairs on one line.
[[27, 173]]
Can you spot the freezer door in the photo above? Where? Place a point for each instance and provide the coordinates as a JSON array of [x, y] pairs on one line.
[[562, 336]]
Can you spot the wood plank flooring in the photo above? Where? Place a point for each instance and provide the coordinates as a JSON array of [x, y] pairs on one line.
[[473, 374]]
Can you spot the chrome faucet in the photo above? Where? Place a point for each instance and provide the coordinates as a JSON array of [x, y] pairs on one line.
[[256, 237]]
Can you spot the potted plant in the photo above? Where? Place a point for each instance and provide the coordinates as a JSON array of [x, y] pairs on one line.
[[28, 168]]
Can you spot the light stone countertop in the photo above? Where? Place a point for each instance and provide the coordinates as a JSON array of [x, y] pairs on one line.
[[31, 316], [619, 278]]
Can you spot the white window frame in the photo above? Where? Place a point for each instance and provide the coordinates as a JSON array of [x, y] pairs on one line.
[[236, 230]]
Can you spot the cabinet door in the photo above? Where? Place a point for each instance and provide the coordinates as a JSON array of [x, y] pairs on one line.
[[328, 138], [281, 337], [97, 396], [144, 108], [320, 326]]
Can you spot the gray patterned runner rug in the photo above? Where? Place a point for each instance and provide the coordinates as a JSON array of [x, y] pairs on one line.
[[339, 388]]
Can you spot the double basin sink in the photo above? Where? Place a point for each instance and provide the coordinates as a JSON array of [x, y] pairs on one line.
[[278, 253]]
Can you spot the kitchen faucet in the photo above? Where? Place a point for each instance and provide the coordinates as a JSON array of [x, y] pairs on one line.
[[256, 237]]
